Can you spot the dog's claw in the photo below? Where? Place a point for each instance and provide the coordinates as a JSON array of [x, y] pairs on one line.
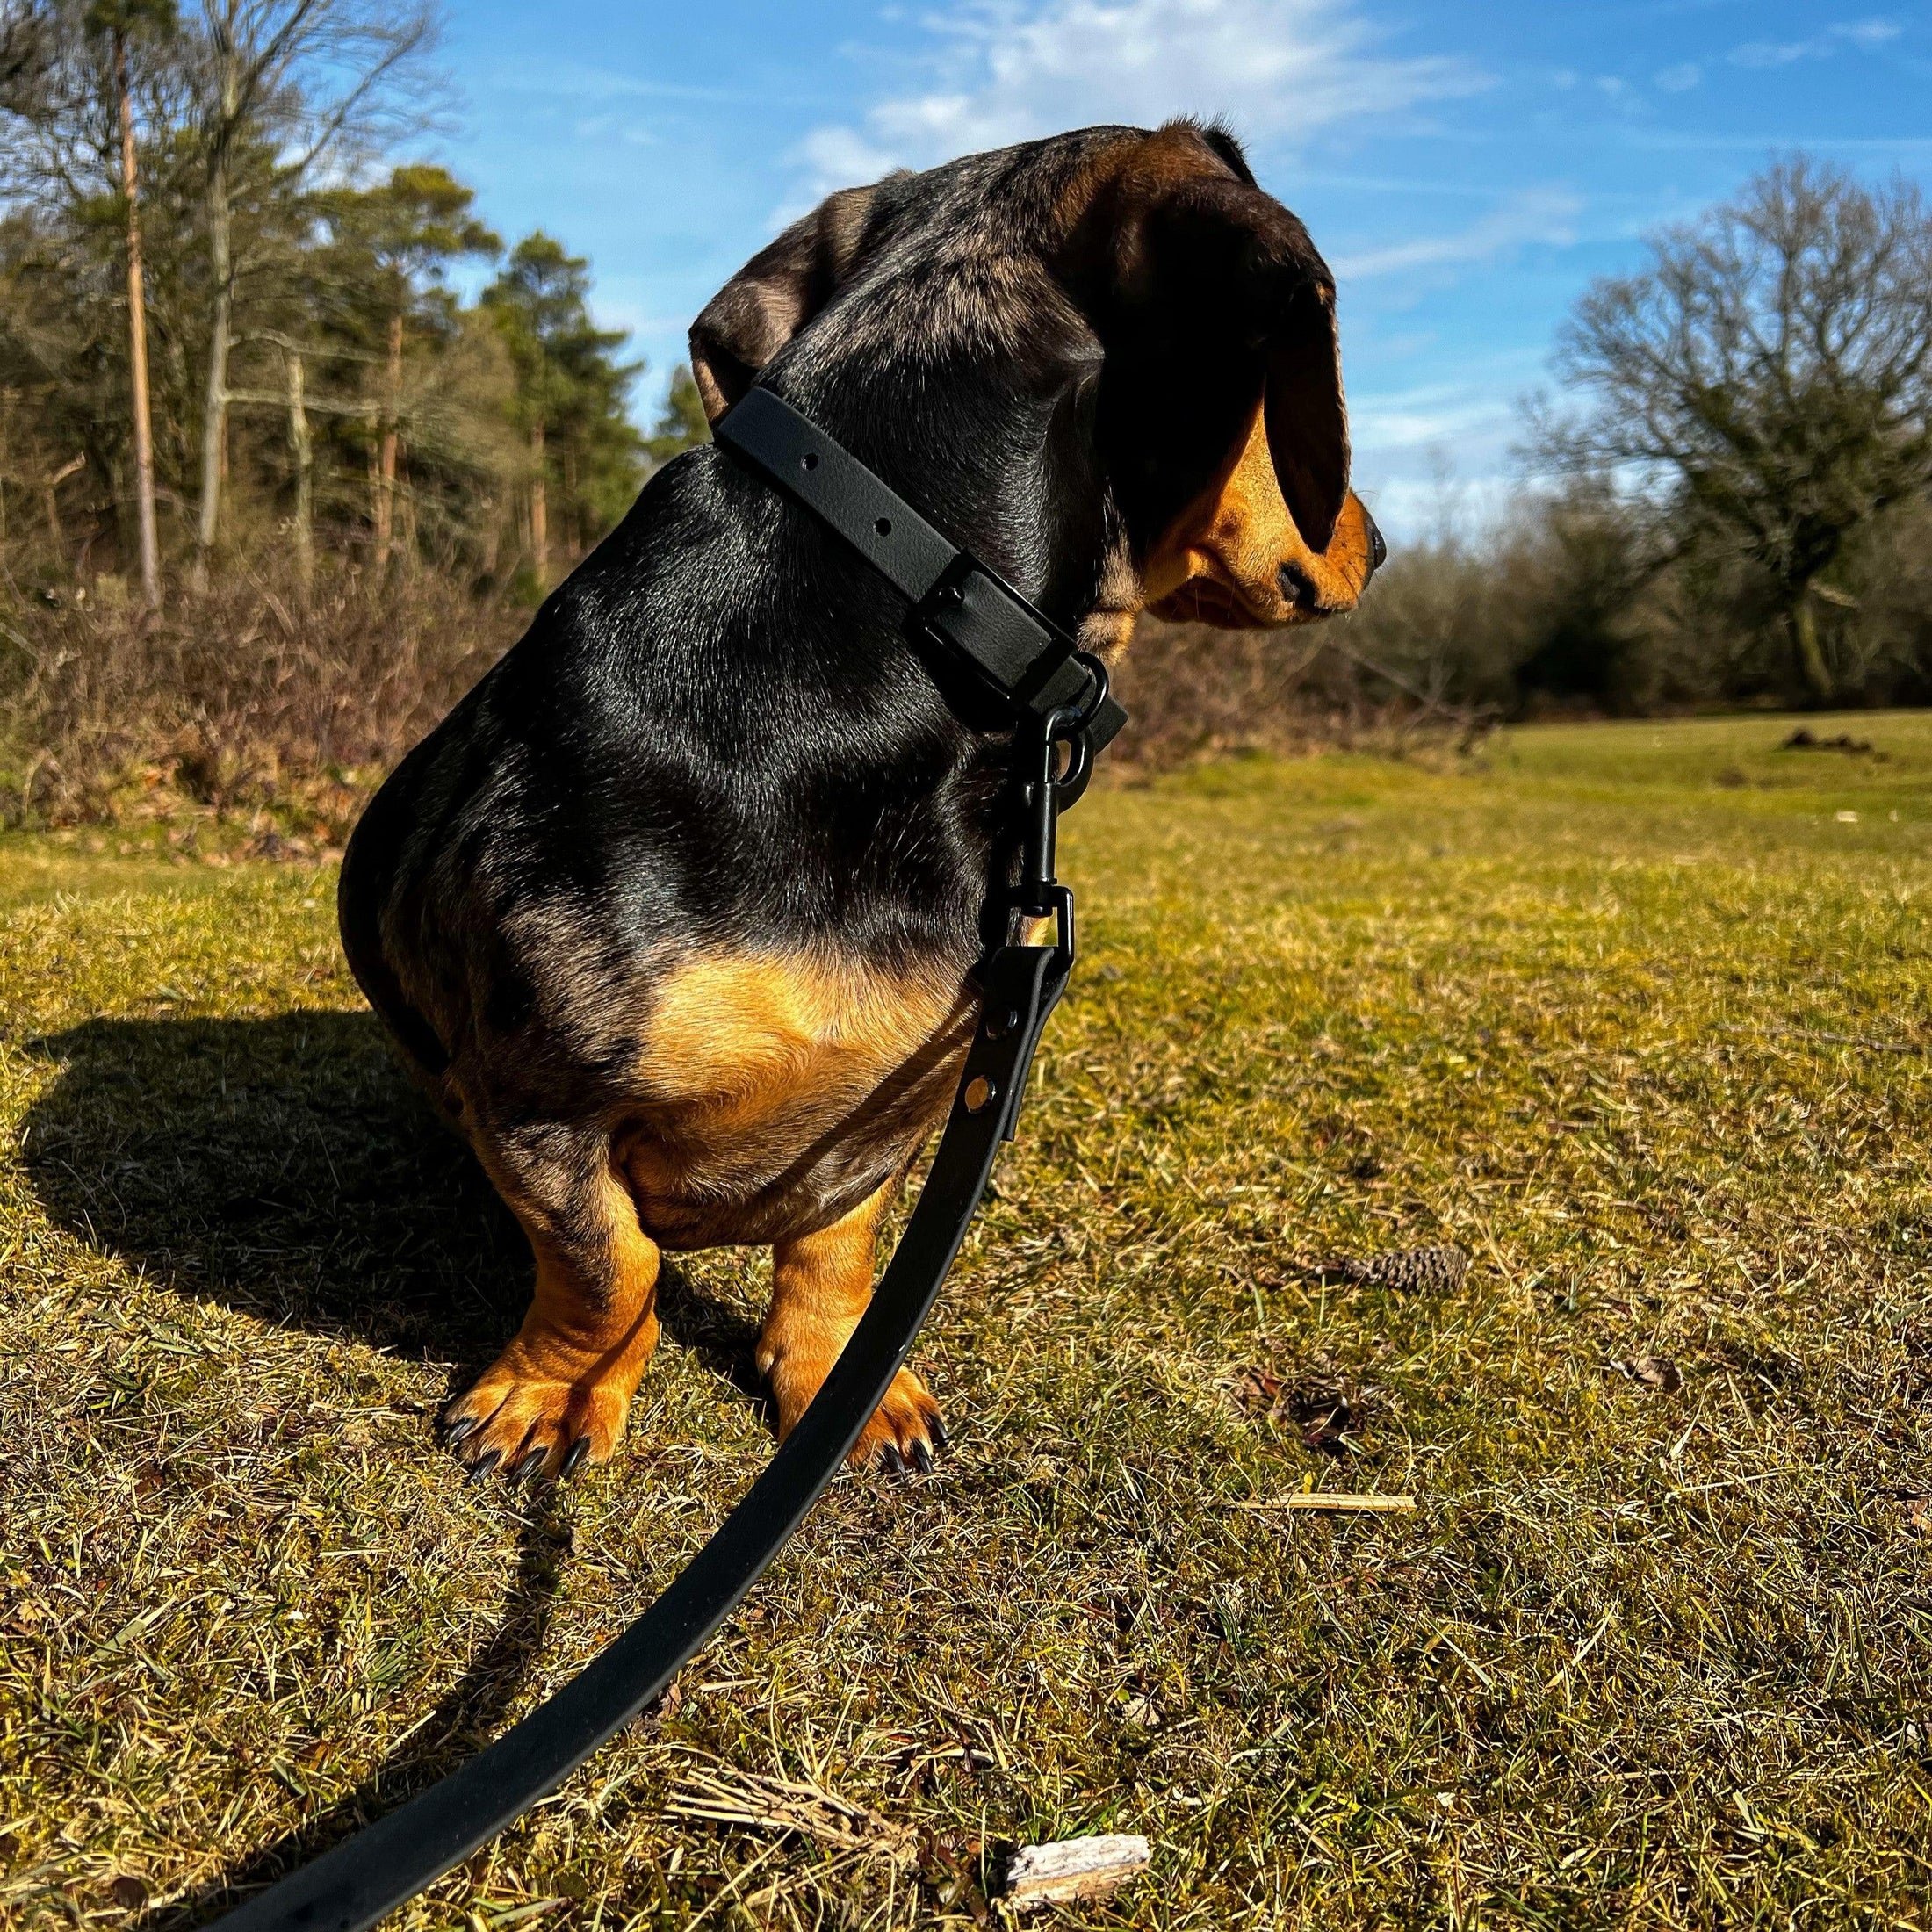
[[482, 1466], [453, 1433], [922, 1459], [891, 1461], [940, 1440], [573, 1458], [529, 1464]]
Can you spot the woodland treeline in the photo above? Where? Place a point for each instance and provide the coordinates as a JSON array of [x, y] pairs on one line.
[[210, 277], [1730, 497], [272, 491], [291, 441]]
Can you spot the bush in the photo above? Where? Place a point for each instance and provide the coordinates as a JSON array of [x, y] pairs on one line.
[[243, 698], [248, 699]]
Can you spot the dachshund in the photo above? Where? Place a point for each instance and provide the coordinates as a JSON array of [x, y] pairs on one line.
[[675, 913]]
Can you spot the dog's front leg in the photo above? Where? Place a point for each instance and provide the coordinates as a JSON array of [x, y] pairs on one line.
[[820, 1285], [560, 1392]]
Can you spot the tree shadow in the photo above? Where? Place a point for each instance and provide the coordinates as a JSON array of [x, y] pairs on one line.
[[286, 1168]]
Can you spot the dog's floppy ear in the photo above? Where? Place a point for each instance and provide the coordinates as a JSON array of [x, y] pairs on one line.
[[1222, 297], [773, 296]]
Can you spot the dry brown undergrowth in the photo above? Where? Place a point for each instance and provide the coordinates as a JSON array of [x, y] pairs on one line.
[[244, 701]]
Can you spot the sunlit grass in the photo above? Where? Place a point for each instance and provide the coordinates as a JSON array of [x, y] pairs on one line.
[[1631, 1013]]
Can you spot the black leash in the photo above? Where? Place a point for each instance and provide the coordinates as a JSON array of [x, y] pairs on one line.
[[1054, 698]]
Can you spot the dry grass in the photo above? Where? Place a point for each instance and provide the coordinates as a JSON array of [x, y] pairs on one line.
[[250, 712], [1629, 1013]]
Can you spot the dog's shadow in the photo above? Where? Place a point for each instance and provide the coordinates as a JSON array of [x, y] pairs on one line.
[[287, 1168]]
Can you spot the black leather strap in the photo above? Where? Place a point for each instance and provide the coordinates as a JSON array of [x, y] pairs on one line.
[[356, 1884], [957, 603], [787, 449]]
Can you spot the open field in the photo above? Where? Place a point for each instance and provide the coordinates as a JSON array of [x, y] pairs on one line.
[[1636, 1014]]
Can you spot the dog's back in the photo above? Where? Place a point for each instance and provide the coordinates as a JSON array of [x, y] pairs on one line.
[[688, 750]]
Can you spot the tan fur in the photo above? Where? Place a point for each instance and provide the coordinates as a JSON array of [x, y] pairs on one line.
[[750, 1062], [820, 1285], [590, 1333], [1222, 562], [775, 1097]]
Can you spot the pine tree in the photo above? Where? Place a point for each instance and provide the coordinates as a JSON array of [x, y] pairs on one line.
[[585, 455], [681, 422]]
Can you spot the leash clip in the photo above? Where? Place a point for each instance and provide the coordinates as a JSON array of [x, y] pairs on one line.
[[1048, 787]]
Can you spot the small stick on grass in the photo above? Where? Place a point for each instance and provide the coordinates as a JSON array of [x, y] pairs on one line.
[[1334, 1499]]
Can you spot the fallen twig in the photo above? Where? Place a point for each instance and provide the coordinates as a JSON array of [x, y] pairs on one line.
[[774, 1803], [1333, 1499], [1867, 1041], [1857, 1039]]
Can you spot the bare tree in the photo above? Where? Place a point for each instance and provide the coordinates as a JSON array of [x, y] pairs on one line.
[[290, 86], [22, 52], [1770, 371], [68, 97], [122, 19]]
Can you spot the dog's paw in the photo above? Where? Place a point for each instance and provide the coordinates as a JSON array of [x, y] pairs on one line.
[[524, 1422], [904, 1433]]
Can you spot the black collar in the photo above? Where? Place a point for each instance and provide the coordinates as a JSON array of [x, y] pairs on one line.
[[1014, 655]]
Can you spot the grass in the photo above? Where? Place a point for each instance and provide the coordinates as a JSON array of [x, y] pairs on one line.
[[1635, 1014]]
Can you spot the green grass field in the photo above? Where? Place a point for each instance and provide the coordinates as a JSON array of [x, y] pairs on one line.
[[1638, 1015]]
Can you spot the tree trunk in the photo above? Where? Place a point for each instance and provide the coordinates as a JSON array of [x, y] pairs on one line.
[[540, 509], [1806, 649], [385, 473], [305, 477], [214, 414], [137, 344]]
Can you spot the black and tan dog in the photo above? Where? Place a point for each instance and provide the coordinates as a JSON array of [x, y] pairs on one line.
[[675, 911]]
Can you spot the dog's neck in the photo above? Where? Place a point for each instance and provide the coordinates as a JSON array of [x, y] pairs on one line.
[[1001, 462]]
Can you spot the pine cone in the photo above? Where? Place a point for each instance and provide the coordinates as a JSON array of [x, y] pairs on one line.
[[1439, 1271]]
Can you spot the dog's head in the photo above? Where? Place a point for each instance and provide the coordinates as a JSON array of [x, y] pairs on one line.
[[1166, 326]]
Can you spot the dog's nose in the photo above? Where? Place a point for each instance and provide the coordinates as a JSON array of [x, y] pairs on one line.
[[1298, 590], [1378, 550]]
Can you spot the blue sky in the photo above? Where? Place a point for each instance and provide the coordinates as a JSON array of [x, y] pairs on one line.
[[1467, 166]]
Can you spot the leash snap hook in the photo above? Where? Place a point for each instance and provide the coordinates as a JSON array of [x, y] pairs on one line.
[[1072, 725]]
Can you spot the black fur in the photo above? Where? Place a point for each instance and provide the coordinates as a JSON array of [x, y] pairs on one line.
[[714, 734]]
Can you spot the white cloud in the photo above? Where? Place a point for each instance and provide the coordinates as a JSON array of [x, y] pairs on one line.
[[1777, 53], [1539, 215], [1869, 33], [1679, 79], [1009, 70], [1868, 36], [1418, 420]]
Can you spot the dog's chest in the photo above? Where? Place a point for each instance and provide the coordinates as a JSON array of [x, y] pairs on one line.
[[780, 1088]]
